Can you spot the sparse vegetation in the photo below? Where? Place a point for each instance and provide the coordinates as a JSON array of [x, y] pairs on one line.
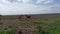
[[42, 25], [9, 31]]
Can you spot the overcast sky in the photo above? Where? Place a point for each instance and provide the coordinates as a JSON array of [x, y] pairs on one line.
[[18, 7]]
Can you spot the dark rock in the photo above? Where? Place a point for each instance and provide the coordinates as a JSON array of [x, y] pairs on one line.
[[5, 28], [19, 32], [9, 26]]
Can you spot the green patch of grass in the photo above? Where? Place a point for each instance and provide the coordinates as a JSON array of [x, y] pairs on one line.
[[7, 32], [53, 26]]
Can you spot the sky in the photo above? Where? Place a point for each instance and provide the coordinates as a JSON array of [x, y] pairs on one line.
[[18, 7]]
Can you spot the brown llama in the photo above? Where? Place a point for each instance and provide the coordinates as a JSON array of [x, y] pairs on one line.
[[21, 17]]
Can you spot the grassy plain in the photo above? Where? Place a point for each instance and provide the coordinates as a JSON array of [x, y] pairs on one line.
[[44, 24]]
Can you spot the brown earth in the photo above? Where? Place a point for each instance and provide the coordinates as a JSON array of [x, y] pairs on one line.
[[14, 21]]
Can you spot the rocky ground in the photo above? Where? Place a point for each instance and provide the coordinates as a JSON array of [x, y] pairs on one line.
[[47, 22]]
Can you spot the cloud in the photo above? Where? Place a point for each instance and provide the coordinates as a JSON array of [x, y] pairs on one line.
[[14, 7], [53, 9], [16, 1], [44, 1], [17, 9], [29, 1]]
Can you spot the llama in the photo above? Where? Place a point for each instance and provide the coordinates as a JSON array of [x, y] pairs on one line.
[[22, 17]]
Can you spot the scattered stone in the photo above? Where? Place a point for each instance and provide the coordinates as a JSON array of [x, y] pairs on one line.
[[19, 32], [9, 26], [5, 28]]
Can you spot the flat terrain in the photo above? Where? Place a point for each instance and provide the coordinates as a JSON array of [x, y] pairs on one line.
[[37, 24]]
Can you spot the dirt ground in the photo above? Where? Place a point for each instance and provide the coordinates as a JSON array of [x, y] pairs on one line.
[[14, 21]]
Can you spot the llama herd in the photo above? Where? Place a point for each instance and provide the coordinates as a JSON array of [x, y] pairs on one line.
[[21, 17]]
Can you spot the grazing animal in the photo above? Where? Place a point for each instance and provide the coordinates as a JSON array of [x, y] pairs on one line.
[[28, 16], [21, 17]]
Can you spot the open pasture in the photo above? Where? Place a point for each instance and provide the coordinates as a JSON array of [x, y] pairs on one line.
[[37, 24]]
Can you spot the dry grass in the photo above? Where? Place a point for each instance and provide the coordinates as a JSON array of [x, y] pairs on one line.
[[49, 23]]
